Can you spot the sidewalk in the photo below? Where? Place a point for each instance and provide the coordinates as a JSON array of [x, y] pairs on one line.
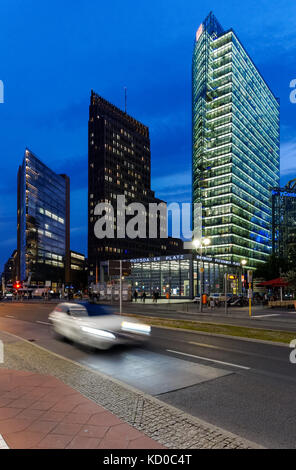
[[111, 413], [39, 411]]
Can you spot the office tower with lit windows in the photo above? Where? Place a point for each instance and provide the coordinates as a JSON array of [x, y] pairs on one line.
[[43, 223], [284, 221], [235, 140], [119, 164]]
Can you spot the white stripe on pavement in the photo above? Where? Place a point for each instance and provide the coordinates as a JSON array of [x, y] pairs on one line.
[[3, 444], [269, 315], [42, 322], [211, 360], [9, 316]]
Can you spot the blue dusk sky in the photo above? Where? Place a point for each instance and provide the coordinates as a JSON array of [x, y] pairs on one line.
[[53, 53]]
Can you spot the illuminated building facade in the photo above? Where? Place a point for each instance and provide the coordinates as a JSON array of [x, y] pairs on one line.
[[43, 223], [284, 221], [179, 275], [235, 127]]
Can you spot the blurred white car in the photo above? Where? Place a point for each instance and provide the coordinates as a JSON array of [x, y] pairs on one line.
[[96, 325]]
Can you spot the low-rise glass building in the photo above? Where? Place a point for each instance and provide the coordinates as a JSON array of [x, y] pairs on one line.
[[183, 275]]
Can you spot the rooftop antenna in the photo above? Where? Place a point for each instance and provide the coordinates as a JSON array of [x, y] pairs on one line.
[[125, 98]]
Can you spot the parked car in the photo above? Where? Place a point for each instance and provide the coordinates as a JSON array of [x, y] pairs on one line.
[[96, 325], [237, 301], [8, 296]]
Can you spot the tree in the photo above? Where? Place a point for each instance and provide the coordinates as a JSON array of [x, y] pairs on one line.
[[290, 277], [274, 267]]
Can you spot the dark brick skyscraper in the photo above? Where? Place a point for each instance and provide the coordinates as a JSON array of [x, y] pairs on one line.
[[119, 164]]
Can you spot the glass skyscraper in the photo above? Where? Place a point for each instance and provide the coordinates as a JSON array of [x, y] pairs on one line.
[[235, 154], [284, 221], [42, 223]]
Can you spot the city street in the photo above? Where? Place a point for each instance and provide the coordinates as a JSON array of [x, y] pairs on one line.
[[148, 221], [242, 386]]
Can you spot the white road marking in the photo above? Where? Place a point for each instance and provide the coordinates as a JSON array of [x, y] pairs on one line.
[[210, 360], [3, 444], [211, 346], [42, 322], [269, 315], [9, 316]]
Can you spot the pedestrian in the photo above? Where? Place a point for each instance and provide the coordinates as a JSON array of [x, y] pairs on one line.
[[136, 296], [143, 297], [212, 303]]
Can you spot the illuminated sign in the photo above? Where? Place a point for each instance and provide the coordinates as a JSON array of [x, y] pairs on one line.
[[199, 32]]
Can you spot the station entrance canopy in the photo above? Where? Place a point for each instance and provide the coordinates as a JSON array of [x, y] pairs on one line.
[[180, 275]]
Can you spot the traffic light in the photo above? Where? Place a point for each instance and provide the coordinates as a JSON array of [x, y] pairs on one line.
[[244, 282], [17, 285]]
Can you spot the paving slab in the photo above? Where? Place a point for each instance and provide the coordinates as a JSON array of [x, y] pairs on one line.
[[22, 428]]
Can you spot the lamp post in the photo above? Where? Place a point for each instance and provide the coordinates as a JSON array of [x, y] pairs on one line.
[[243, 263], [198, 244]]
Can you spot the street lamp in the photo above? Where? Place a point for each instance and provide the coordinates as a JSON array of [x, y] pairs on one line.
[[198, 244], [243, 263]]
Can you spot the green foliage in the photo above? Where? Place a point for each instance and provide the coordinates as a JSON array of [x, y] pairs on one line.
[[290, 277]]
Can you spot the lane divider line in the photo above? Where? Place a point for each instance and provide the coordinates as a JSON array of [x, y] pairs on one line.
[[238, 351], [210, 360], [269, 315], [9, 316], [42, 322]]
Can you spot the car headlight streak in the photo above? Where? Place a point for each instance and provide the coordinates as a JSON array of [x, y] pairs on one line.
[[137, 327], [95, 331]]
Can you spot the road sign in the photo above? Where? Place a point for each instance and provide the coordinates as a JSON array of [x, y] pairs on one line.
[[250, 294]]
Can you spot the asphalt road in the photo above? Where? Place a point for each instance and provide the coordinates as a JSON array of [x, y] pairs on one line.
[[261, 317], [242, 386]]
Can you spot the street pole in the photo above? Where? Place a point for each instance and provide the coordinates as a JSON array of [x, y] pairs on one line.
[[120, 288], [201, 279], [250, 293], [250, 300], [225, 288]]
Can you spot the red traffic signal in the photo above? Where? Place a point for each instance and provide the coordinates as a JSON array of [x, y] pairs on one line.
[[17, 285]]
